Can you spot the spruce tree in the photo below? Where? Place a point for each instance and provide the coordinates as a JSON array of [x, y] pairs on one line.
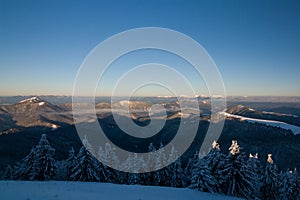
[[175, 170], [161, 175], [190, 168], [254, 175], [289, 187], [237, 177], [249, 183], [70, 163], [87, 167], [176, 174], [202, 178], [9, 173], [39, 164], [145, 178], [108, 156], [271, 180], [18, 171], [215, 161], [133, 179]]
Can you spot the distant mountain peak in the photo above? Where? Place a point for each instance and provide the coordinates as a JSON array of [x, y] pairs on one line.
[[36, 104], [33, 100]]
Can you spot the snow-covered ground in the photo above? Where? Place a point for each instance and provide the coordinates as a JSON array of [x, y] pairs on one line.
[[60, 190], [294, 129], [280, 114]]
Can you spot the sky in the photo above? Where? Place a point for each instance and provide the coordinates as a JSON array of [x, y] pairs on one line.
[[255, 44]]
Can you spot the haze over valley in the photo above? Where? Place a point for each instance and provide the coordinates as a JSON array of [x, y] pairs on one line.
[[259, 127]]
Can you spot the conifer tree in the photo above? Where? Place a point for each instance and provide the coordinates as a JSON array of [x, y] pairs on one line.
[[161, 175], [215, 161], [190, 167], [176, 178], [202, 178], [39, 164], [9, 173], [237, 177], [70, 163], [176, 174], [271, 180], [133, 179], [253, 164], [289, 187], [87, 167]]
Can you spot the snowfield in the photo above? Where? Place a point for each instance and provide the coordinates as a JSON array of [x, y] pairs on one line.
[[60, 190], [294, 129]]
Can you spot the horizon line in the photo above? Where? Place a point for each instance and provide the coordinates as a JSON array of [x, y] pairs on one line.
[[158, 96]]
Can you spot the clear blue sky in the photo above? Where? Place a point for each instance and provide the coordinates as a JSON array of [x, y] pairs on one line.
[[255, 44]]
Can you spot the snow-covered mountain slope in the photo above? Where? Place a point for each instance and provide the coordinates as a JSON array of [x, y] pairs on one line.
[[33, 112], [35, 104], [294, 129], [31, 100], [59, 190], [250, 112]]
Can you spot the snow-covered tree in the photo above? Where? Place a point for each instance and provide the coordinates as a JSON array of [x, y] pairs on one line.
[[234, 148], [61, 170], [88, 146], [214, 157], [237, 177], [176, 174], [101, 154], [255, 176], [215, 145], [145, 178], [270, 160], [9, 173], [215, 162], [110, 159], [110, 156], [190, 167], [26, 166], [44, 166], [249, 183], [18, 171], [271, 180], [70, 163], [133, 179], [122, 177], [161, 176], [150, 161], [39, 164], [175, 170], [135, 164], [289, 187], [202, 178], [87, 167]]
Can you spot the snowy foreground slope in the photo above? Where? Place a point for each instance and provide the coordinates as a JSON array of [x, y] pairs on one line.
[[79, 190]]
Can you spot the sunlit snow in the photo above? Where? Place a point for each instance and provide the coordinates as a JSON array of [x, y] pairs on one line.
[[294, 129]]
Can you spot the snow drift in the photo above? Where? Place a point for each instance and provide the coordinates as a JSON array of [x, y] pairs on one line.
[[59, 190]]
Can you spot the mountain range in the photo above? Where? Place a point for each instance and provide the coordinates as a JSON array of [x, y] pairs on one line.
[[22, 123]]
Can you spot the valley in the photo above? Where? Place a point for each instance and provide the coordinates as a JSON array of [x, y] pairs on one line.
[[258, 129]]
